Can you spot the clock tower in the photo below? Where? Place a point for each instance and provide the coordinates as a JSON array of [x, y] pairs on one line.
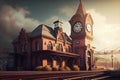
[[82, 36]]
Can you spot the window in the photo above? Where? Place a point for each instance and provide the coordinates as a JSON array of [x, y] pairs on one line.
[[44, 43], [88, 45], [49, 46], [59, 47], [24, 48], [68, 49], [88, 54]]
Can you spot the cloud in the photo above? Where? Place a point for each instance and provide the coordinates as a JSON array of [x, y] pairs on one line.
[[106, 35], [66, 10], [12, 20], [50, 21]]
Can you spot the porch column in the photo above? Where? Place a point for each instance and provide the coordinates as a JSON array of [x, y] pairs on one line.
[[63, 63], [33, 61], [54, 62], [44, 62], [39, 60]]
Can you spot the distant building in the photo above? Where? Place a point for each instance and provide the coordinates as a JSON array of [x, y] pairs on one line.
[[51, 46], [6, 59]]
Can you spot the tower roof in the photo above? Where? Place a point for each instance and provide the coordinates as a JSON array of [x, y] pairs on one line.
[[81, 9], [58, 21]]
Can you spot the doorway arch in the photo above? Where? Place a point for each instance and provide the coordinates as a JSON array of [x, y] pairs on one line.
[[89, 59]]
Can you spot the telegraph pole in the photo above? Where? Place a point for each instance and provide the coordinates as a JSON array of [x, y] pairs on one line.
[[112, 60]]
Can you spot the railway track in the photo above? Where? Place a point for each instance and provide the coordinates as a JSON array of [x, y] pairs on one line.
[[71, 75]]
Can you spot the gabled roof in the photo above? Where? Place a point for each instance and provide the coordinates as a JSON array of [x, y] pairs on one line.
[[68, 38], [43, 30], [46, 31]]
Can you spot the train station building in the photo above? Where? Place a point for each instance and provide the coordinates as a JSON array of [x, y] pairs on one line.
[[51, 46]]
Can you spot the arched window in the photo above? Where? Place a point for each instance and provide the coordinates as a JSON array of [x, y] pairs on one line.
[[59, 47], [24, 48], [68, 49], [88, 54], [37, 45], [89, 60], [49, 46]]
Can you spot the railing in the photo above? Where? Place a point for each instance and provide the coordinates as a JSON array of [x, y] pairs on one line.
[[11, 75]]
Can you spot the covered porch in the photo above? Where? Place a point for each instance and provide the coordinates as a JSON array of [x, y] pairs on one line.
[[54, 58]]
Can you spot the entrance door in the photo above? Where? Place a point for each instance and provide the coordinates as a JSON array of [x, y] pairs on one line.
[[89, 60]]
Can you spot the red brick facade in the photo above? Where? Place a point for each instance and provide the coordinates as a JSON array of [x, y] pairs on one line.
[[82, 40], [46, 46]]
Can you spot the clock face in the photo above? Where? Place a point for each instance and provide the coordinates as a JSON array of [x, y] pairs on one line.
[[89, 28], [77, 27]]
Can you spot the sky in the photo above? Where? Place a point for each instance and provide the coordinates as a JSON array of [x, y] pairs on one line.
[[28, 14]]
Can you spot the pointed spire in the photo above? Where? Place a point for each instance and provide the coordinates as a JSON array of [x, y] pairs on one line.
[[81, 10]]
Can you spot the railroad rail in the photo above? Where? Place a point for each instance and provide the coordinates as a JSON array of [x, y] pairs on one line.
[[14, 75]]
